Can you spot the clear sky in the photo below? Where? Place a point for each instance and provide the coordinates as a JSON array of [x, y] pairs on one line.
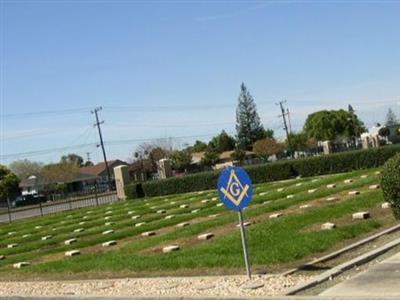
[[174, 68]]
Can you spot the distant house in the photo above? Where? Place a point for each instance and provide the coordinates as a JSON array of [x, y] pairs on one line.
[[100, 169], [83, 180], [38, 185]]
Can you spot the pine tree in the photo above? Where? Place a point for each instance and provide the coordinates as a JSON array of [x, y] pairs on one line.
[[391, 118], [248, 125]]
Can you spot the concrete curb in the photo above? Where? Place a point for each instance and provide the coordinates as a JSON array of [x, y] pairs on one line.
[[343, 267], [343, 250]]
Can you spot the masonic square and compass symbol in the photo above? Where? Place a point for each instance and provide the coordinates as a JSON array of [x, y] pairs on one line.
[[235, 188]]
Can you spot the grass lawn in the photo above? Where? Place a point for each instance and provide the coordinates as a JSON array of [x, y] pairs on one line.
[[273, 243]]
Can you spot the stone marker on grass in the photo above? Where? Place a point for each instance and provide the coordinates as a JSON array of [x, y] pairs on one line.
[[131, 212], [85, 217], [197, 210], [205, 201], [364, 176], [213, 216], [386, 205], [70, 241], [135, 217], [183, 206], [109, 212], [140, 224], [11, 233], [38, 227], [219, 204], [72, 253], [263, 193], [170, 248], [2, 257], [26, 235], [315, 180], [331, 199], [299, 184], [82, 223], [305, 206], [205, 236], [328, 226], [107, 218], [109, 243], [183, 224], [289, 196], [378, 172], [276, 215], [245, 224], [79, 230], [108, 232], [21, 264], [47, 237], [279, 190], [331, 186], [374, 186], [149, 233], [214, 199], [169, 217], [361, 215], [348, 181], [12, 245], [109, 223], [310, 191], [172, 202], [354, 193]]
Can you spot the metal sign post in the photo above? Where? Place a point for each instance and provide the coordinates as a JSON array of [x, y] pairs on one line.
[[235, 191], [244, 244]]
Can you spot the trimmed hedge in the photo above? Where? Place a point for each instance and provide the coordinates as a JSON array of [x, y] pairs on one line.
[[390, 184], [134, 190], [319, 165]]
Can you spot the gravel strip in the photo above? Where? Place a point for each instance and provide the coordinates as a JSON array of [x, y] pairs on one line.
[[161, 286]]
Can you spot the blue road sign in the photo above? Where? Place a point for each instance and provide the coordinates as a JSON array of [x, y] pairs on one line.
[[235, 188]]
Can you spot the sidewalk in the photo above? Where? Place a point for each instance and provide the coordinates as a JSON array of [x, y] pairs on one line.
[[380, 280]]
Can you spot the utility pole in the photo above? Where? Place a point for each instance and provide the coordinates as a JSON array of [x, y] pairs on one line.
[[285, 126], [95, 111], [290, 122], [87, 156]]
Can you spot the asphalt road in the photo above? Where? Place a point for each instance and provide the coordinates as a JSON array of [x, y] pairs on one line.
[[18, 214]]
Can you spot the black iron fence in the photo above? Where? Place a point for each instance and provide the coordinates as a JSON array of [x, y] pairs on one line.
[[71, 202]]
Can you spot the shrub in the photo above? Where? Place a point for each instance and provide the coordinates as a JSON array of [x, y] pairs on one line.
[[174, 185], [134, 190], [325, 164], [390, 183]]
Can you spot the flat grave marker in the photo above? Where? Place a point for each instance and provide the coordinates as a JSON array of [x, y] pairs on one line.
[[109, 243], [170, 248], [205, 236]]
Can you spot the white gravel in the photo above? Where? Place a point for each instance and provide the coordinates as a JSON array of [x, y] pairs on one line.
[[161, 286]]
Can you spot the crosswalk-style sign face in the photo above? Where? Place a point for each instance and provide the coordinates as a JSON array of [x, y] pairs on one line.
[[235, 188]]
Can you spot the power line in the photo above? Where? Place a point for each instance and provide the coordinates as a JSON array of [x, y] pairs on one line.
[[43, 113], [109, 143]]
